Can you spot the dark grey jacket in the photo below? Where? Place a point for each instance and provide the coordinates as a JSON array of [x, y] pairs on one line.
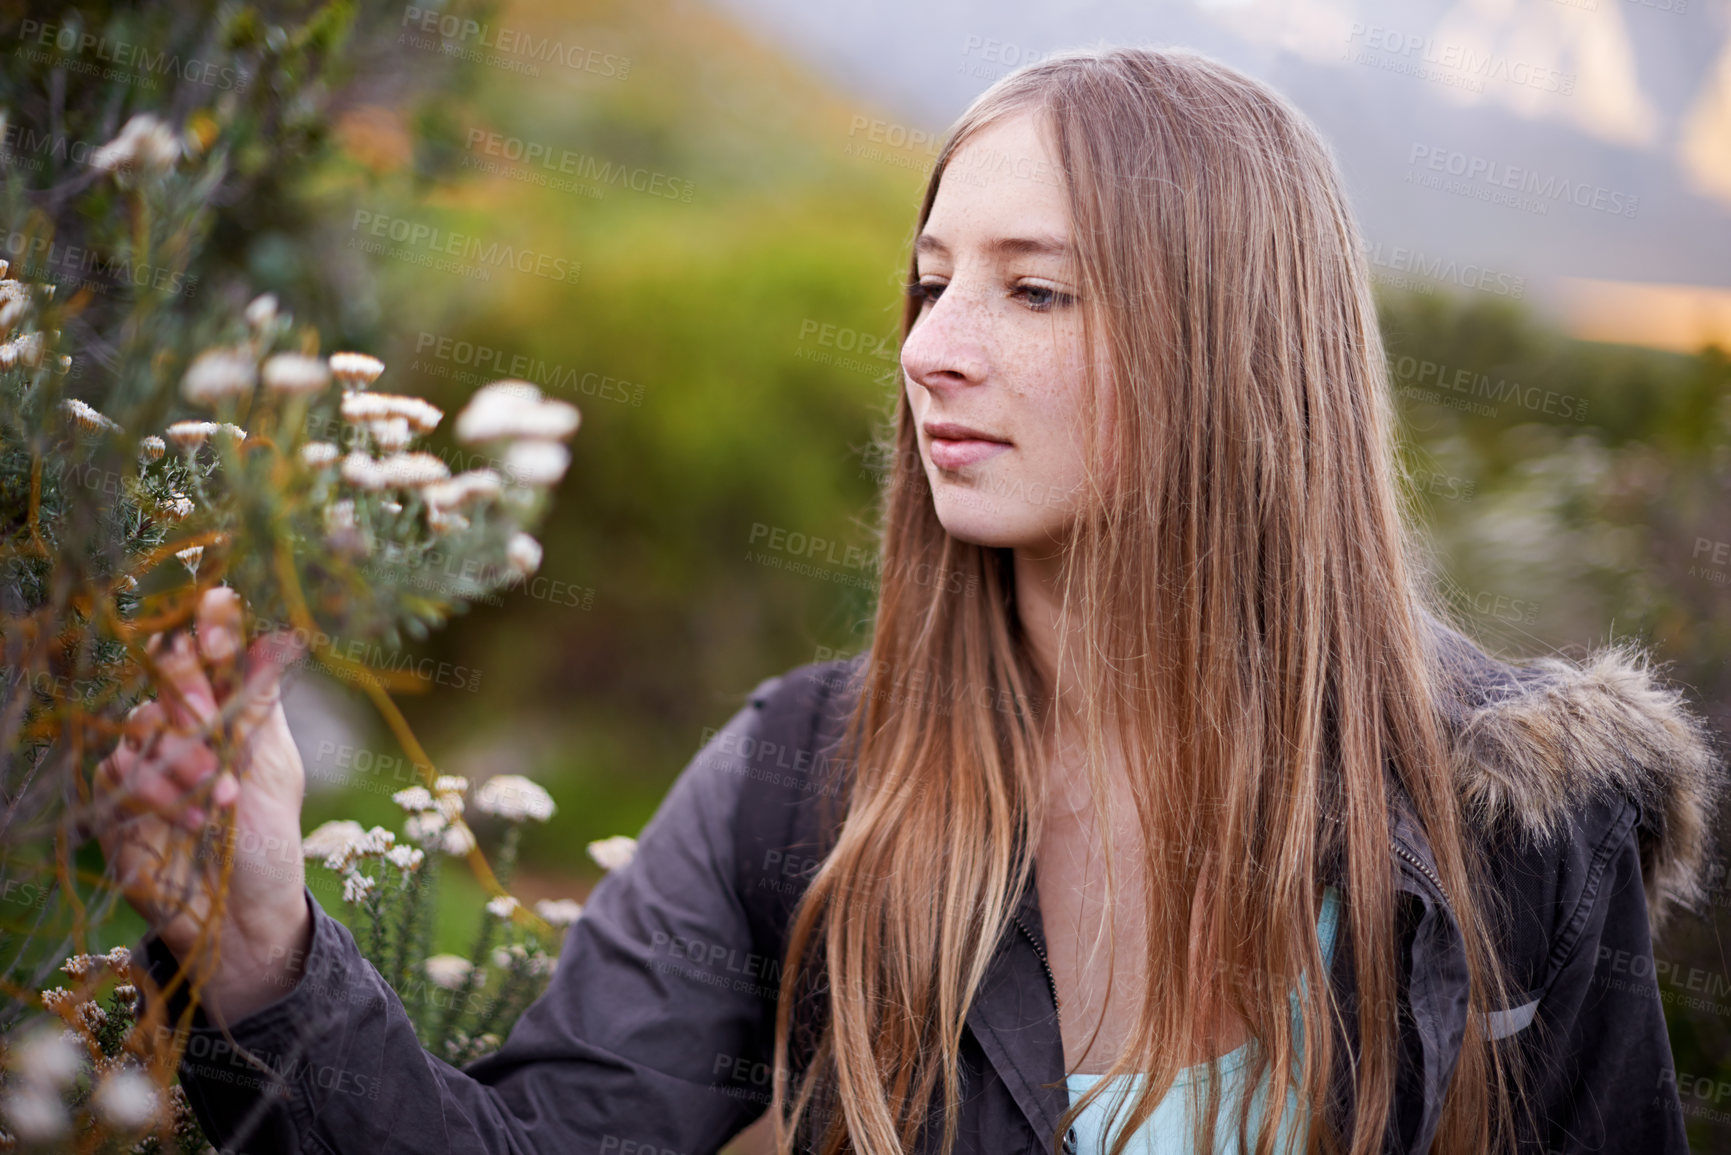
[[1590, 784]]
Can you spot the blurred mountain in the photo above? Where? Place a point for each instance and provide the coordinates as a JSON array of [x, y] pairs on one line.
[[1555, 141]]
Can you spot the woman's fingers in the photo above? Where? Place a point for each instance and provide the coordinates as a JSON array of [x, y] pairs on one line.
[[261, 692], [144, 720], [219, 629], [184, 688]]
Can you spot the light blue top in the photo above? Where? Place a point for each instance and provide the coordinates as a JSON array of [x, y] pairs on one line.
[[1167, 1131]]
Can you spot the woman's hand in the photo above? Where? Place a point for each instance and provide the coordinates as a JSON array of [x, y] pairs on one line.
[[156, 796]]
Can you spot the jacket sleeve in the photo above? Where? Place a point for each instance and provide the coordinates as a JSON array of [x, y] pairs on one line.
[[653, 1035], [1599, 1054]]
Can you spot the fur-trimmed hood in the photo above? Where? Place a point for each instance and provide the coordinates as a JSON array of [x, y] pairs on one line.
[[1535, 739]]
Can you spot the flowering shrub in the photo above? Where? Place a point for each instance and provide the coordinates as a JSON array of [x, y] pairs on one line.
[[165, 429], [82, 1079], [461, 1007]]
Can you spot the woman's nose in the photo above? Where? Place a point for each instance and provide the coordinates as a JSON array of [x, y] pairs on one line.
[[947, 345]]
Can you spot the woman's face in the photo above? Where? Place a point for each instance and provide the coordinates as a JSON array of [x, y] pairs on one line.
[[994, 362]]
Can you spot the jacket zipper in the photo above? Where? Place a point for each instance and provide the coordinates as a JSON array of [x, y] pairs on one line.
[[1044, 964], [1423, 869]]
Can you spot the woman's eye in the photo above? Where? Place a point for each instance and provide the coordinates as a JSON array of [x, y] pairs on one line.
[[925, 292], [1040, 298]]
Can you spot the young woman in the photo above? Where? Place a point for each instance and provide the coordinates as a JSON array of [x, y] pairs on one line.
[[1314, 872]]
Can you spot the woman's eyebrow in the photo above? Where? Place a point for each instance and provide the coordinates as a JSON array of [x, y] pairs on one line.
[[1040, 246]]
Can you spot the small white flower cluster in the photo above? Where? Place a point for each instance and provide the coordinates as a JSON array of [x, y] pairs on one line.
[[447, 971], [447, 499], [613, 853], [514, 798], [344, 846], [295, 374], [218, 374], [118, 960], [187, 436], [26, 349], [390, 420], [531, 428], [355, 370], [522, 959], [559, 911], [86, 418], [398, 471], [16, 304], [436, 815], [145, 147], [44, 1063]]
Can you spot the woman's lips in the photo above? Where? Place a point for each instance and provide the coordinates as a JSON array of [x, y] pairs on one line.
[[954, 453]]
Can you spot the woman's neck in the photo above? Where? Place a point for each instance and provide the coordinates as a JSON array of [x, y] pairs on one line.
[[1038, 601]]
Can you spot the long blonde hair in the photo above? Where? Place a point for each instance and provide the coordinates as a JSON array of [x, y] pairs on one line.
[[1265, 659]]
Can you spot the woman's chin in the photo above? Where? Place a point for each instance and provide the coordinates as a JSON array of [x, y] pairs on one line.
[[987, 522]]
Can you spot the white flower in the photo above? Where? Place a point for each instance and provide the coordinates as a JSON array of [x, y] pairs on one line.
[[398, 471], [413, 470], [25, 350], [145, 145], [501, 906], [392, 507], [451, 784], [375, 841], [152, 448], [58, 998], [559, 911], [295, 374], [447, 970], [218, 373], [178, 506], [119, 959], [536, 463], [262, 310], [340, 515], [127, 1099], [474, 485], [457, 840], [356, 370], [14, 303], [523, 554], [443, 522], [318, 454], [424, 827], [361, 471], [360, 408], [613, 853], [190, 557], [415, 799], [187, 436], [35, 1115], [392, 435], [513, 409], [333, 837], [45, 1057], [405, 858], [87, 418], [79, 965], [356, 886], [514, 798]]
